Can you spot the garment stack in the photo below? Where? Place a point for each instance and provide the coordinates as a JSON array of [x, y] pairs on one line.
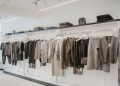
[[95, 53]]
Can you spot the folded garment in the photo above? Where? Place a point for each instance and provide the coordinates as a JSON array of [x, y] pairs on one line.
[[20, 32], [104, 18], [51, 27], [30, 31], [8, 34], [38, 28], [65, 25]]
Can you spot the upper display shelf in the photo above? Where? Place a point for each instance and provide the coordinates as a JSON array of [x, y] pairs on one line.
[[97, 23], [94, 23]]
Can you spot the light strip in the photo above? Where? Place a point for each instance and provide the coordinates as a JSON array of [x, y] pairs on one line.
[[58, 5]]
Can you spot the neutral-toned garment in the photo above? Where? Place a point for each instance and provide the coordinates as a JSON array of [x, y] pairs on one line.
[[93, 52], [69, 53], [119, 49], [44, 51], [57, 60], [51, 50], [8, 48], [108, 52], [15, 52], [8, 51], [37, 50]]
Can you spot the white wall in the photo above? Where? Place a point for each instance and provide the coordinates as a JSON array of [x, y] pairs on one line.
[[82, 8], [1, 66]]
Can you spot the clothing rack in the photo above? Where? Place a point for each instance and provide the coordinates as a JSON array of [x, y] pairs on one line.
[[79, 32], [72, 33]]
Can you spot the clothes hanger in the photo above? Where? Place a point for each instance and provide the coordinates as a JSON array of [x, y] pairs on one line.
[[80, 36]]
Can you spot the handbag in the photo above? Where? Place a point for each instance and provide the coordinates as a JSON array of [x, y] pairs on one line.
[[82, 21]]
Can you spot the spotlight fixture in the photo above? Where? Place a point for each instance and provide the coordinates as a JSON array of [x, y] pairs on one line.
[[36, 2]]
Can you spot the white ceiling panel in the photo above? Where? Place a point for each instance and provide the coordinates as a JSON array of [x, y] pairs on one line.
[[52, 2], [27, 4], [27, 7]]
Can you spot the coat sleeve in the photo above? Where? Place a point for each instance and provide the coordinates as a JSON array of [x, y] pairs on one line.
[[116, 50]]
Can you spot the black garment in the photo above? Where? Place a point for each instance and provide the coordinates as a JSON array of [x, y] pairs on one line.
[[82, 48], [32, 53], [81, 53], [64, 54], [27, 49], [3, 53], [21, 51]]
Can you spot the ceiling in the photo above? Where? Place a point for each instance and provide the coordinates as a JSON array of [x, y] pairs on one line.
[[27, 7], [7, 18], [30, 4]]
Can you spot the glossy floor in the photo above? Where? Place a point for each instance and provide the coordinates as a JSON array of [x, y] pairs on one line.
[[119, 76], [8, 80]]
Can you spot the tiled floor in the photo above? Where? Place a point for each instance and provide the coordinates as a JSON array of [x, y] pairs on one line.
[[8, 80]]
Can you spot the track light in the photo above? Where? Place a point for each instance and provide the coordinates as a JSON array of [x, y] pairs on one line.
[[58, 5]]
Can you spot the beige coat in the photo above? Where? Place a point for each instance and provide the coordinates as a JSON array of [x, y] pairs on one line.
[[37, 50], [92, 59], [44, 51], [57, 60], [51, 50]]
